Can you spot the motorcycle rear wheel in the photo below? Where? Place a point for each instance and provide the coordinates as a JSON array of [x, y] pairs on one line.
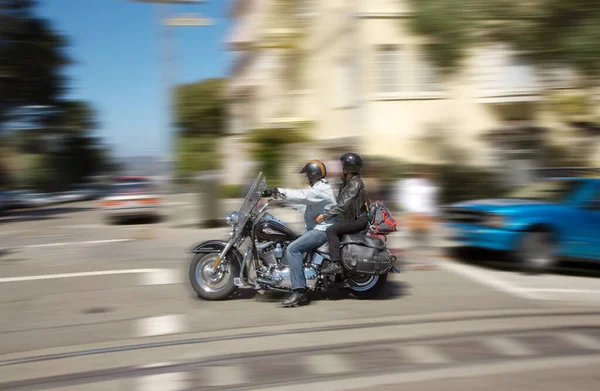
[[209, 284], [367, 286]]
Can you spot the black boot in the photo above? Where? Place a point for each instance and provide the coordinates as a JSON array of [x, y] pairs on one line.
[[332, 268], [297, 297]]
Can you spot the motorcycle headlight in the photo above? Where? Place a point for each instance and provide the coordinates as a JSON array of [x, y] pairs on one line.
[[232, 219], [495, 221]]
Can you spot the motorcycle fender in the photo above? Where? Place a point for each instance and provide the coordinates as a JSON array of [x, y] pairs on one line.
[[216, 246], [395, 268], [209, 246]]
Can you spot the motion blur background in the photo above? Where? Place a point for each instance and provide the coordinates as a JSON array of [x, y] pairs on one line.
[[486, 91], [167, 109]]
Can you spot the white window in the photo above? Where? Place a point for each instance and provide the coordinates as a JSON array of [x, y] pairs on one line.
[[344, 84], [428, 75], [388, 63], [501, 70]]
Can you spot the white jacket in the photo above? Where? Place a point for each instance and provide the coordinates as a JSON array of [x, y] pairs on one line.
[[316, 200]]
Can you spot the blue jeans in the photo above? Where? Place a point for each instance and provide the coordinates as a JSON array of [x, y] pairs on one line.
[[308, 241]]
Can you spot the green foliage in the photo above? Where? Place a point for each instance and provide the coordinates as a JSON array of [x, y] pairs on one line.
[[76, 117], [463, 183], [196, 153], [269, 149], [231, 191], [200, 107], [545, 31], [33, 59]]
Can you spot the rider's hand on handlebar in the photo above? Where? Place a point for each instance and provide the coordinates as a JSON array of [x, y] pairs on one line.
[[269, 192]]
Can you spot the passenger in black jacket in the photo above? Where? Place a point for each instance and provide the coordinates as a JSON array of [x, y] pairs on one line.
[[350, 210]]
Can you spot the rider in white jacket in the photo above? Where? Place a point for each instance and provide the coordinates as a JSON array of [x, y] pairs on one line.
[[316, 200]]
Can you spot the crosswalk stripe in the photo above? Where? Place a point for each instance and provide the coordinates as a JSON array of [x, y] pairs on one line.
[[508, 347], [423, 354], [581, 340], [324, 364], [225, 375], [176, 381], [160, 325]]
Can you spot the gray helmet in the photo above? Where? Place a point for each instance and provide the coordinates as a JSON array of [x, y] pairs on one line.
[[351, 163]]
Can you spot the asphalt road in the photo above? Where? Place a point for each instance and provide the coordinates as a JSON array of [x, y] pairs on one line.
[[88, 306]]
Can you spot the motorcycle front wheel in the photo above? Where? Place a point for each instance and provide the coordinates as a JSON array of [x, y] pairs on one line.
[[212, 284], [367, 286]]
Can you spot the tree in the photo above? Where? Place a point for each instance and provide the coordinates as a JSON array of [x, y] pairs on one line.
[[32, 60], [200, 107], [547, 32], [76, 117], [196, 153]]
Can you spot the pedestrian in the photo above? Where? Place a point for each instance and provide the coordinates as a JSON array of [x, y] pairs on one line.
[[417, 198]]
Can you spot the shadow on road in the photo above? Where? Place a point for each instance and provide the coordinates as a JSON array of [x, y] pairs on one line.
[[24, 215]]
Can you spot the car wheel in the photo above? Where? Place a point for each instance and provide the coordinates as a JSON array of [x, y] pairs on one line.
[[537, 252]]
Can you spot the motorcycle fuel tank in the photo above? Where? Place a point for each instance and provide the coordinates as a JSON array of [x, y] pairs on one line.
[[271, 230]]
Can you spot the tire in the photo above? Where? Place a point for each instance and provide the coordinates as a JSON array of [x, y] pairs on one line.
[[367, 287], [537, 252], [217, 287]]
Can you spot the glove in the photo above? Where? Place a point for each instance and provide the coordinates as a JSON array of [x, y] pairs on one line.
[[269, 192]]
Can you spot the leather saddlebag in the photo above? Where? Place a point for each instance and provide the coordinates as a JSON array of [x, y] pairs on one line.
[[365, 255]]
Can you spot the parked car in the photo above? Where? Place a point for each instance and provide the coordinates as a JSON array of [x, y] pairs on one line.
[[541, 223], [132, 198], [15, 199], [38, 200]]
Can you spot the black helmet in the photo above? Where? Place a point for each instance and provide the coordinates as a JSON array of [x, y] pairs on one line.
[[314, 170], [351, 163]]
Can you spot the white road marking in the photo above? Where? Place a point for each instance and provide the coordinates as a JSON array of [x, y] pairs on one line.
[[423, 354], [508, 347], [161, 277], [88, 274], [176, 381], [593, 291], [66, 244], [158, 364], [226, 375], [326, 364], [160, 325], [488, 279], [581, 340]]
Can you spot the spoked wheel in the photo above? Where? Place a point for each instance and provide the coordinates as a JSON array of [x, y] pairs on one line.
[[212, 284], [367, 286]]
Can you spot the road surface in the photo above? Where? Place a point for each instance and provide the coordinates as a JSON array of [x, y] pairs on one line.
[[88, 306]]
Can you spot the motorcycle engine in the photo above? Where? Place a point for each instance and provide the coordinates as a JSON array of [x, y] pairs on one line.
[[280, 276], [279, 272]]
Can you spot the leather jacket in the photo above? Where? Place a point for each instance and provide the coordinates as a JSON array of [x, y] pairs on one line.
[[352, 201]]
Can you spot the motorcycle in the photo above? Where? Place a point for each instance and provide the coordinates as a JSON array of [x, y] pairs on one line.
[[218, 268]]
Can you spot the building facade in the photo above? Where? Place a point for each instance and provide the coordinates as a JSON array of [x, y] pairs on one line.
[[354, 73]]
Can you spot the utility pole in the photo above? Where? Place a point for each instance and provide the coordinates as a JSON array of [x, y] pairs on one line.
[[168, 56]]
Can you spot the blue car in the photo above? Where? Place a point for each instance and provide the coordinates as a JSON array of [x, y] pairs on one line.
[[541, 223]]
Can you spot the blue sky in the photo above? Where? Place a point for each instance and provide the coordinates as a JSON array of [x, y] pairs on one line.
[[118, 68]]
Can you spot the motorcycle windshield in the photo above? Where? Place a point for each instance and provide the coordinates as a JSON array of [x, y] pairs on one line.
[[252, 198]]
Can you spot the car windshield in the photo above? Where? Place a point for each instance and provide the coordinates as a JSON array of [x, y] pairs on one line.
[[548, 190], [252, 198]]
